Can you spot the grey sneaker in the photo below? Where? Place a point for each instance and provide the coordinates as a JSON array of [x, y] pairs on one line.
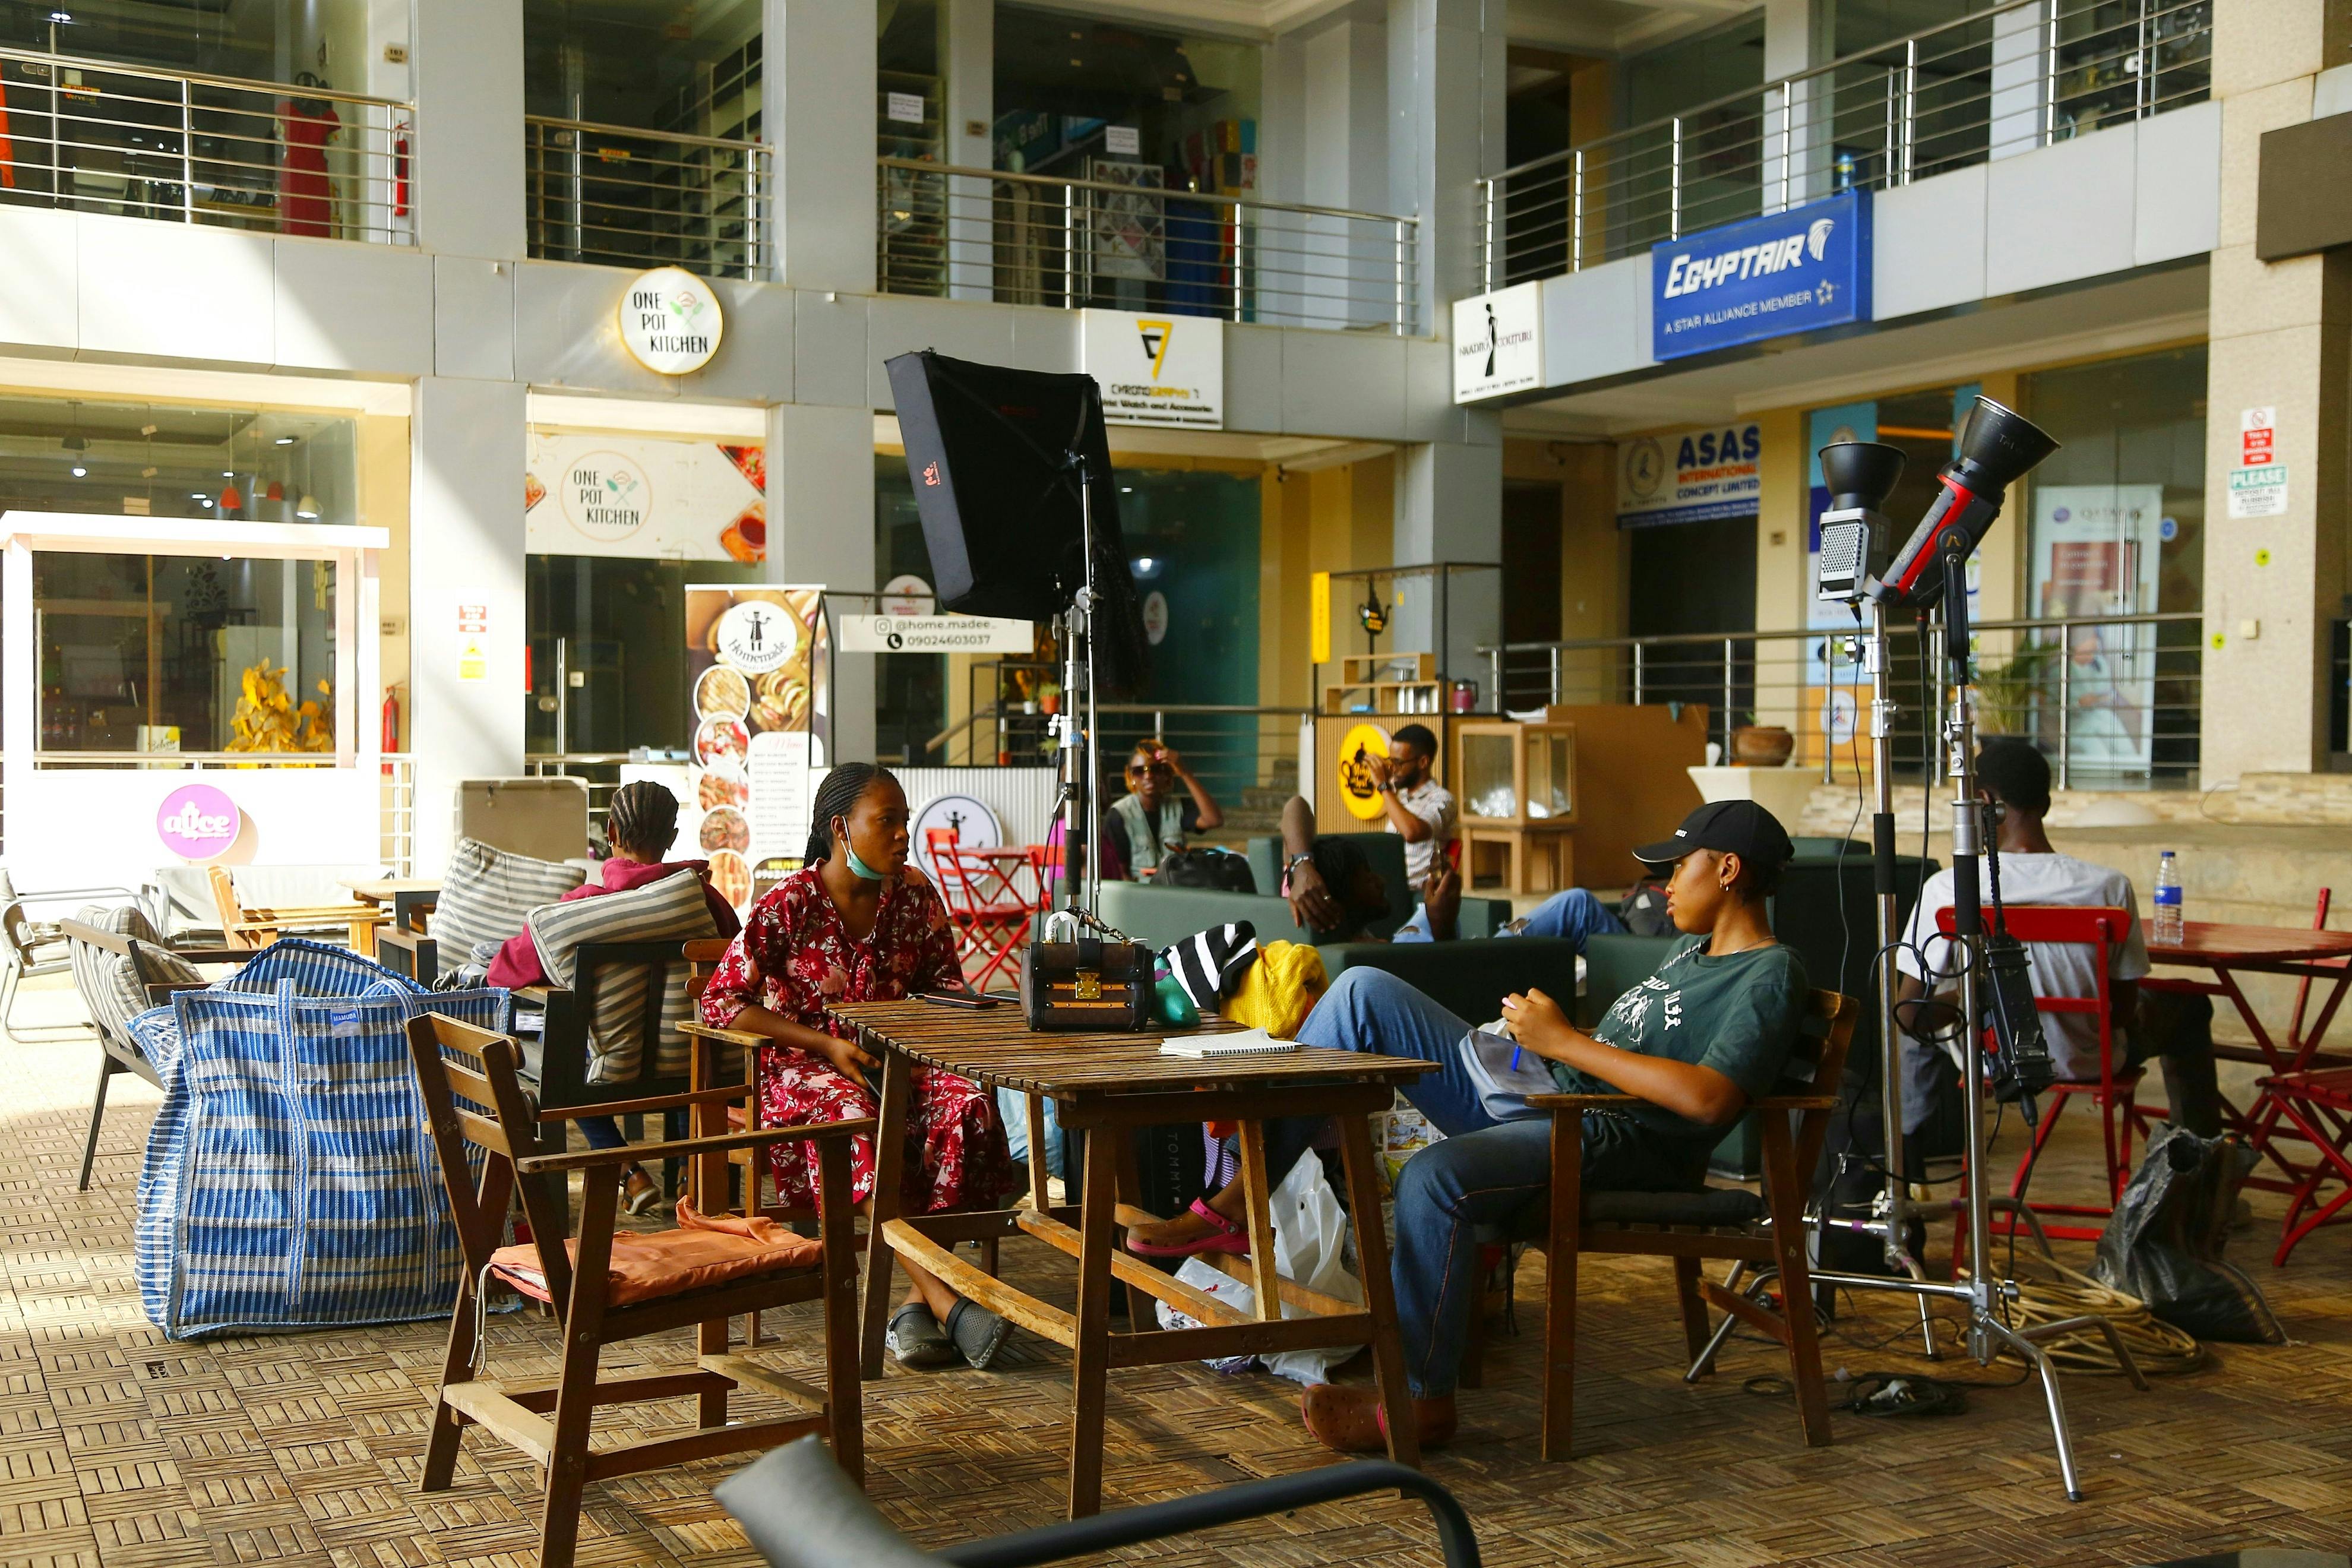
[[918, 1341], [978, 1333]]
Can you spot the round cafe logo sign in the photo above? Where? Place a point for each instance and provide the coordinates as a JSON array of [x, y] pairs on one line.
[[197, 822], [757, 636], [607, 497], [670, 321]]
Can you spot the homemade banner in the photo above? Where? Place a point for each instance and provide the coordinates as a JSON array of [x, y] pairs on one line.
[[645, 496]]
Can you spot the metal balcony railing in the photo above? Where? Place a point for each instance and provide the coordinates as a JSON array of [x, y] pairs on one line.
[[2001, 81], [609, 194], [96, 137], [2113, 700], [1029, 239]]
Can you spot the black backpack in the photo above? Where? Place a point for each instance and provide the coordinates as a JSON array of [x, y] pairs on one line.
[[1207, 868]]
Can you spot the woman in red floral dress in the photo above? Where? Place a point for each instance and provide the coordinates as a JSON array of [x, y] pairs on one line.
[[856, 925]]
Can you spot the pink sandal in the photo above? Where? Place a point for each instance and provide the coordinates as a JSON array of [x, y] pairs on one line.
[[1223, 1236]]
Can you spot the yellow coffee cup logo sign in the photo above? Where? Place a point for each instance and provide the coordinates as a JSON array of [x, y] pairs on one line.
[[1357, 788]]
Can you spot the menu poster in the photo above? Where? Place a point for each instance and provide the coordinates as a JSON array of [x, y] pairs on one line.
[[754, 659]]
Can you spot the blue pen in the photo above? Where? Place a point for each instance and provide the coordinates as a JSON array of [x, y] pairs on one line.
[[1515, 1058]]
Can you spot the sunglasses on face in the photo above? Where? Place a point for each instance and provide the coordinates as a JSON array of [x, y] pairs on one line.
[[1156, 770]]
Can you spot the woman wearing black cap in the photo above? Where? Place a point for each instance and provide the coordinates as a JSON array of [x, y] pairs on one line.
[[1697, 1040]]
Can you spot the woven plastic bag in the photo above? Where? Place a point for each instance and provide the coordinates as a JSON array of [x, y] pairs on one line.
[[2164, 1243], [291, 1181]]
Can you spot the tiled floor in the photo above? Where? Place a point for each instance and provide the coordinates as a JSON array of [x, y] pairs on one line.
[[118, 1448]]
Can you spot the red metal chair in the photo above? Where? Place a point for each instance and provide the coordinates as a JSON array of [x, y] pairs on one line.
[[2102, 930], [991, 919]]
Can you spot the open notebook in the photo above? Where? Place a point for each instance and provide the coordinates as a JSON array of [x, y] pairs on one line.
[[1205, 1048]]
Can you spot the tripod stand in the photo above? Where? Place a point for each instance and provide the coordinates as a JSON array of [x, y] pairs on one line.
[[1983, 1296]]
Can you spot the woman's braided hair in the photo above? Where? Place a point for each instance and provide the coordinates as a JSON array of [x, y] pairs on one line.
[[641, 821], [838, 796]]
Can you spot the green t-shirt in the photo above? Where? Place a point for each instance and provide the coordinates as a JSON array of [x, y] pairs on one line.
[[1738, 1014]]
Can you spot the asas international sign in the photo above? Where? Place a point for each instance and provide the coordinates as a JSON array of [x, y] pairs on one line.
[[1499, 343], [1787, 272], [1156, 370], [670, 321], [1689, 475]]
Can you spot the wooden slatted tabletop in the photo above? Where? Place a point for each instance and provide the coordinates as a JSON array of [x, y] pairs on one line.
[[995, 1046]]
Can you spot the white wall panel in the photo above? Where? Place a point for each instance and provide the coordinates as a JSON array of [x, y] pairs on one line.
[[41, 307], [473, 318], [361, 307], [2177, 209], [755, 363], [1928, 244], [899, 324], [1341, 384], [157, 290], [2059, 213], [566, 331], [829, 360], [1254, 378], [1596, 323]]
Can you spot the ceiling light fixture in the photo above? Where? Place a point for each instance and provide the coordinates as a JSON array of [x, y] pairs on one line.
[[286, 440], [80, 469], [308, 507]]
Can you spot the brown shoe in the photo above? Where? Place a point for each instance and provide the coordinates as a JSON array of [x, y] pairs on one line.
[[641, 1193], [1348, 1420]]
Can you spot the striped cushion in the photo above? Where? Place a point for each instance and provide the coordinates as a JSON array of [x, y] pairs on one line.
[[110, 985], [487, 894], [672, 909]]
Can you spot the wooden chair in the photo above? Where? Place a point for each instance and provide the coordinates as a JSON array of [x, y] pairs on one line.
[[1751, 1230], [474, 1096], [118, 1051], [255, 929], [405, 946], [2102, 930]]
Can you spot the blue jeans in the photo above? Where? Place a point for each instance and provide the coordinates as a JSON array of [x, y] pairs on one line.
[[1575, 914], [1482, 1174]]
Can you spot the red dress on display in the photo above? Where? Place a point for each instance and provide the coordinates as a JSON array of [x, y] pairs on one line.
[[306, 198], [793, 957]]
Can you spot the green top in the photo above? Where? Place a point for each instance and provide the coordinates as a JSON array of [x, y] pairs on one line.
[[1738, 1014]]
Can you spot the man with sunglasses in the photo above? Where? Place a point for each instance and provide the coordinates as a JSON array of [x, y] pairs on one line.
[[1149, 823]]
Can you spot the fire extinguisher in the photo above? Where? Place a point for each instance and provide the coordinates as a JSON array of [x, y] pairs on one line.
[[391, 724]]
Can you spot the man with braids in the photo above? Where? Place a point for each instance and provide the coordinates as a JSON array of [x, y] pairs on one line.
[[639, 827], [856, 924]]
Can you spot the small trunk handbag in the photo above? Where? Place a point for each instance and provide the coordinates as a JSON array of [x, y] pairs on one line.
[[1086, 986]]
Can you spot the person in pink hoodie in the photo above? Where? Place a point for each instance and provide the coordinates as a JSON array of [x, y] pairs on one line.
[[639, 827]]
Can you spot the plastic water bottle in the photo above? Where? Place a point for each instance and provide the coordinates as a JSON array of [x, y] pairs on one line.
[[2170, 923]]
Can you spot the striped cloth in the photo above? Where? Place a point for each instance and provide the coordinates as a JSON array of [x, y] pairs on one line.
[[670, 909], [109, 983], [290, 1181], [486, 896], [1210, 963]]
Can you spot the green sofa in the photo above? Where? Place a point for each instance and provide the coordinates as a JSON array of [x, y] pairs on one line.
[[1480, 917]]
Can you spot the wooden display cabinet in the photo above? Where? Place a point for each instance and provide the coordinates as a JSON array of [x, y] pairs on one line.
[[1515, 786], [1398, 684]]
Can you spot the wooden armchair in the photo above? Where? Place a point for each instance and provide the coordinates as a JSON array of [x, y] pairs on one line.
[[255, 929], [612, 1284], [1751, 1230]]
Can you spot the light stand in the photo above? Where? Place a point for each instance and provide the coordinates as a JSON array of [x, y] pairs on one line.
[[1079, 754], [1996, 447]]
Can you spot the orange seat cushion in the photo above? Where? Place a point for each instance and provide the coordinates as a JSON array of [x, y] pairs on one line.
[[703, 1251]]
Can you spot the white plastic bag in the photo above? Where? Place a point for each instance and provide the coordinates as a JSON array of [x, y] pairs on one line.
[[1310, 1234]]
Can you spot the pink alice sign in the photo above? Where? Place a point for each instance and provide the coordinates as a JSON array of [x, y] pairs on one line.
[[197, 822]]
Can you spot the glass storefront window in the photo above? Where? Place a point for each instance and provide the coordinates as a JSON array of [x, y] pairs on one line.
[[607, 649], [142, 459], [323, 43], [172, 653]]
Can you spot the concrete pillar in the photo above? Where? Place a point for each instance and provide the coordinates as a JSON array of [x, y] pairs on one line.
[[1447, 71], [968, 61], [1796, 131], [467, 58], [817, 107], [821, 529], [2020, 79], [465, 553], [2278, 337], [1449, 507], [1344, 162]]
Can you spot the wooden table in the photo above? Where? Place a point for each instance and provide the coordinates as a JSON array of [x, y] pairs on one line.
[[1112, 1085], [2228, 951], [403, 893]]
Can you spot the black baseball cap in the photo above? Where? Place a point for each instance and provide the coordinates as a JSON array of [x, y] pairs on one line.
[[1738, 827]]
